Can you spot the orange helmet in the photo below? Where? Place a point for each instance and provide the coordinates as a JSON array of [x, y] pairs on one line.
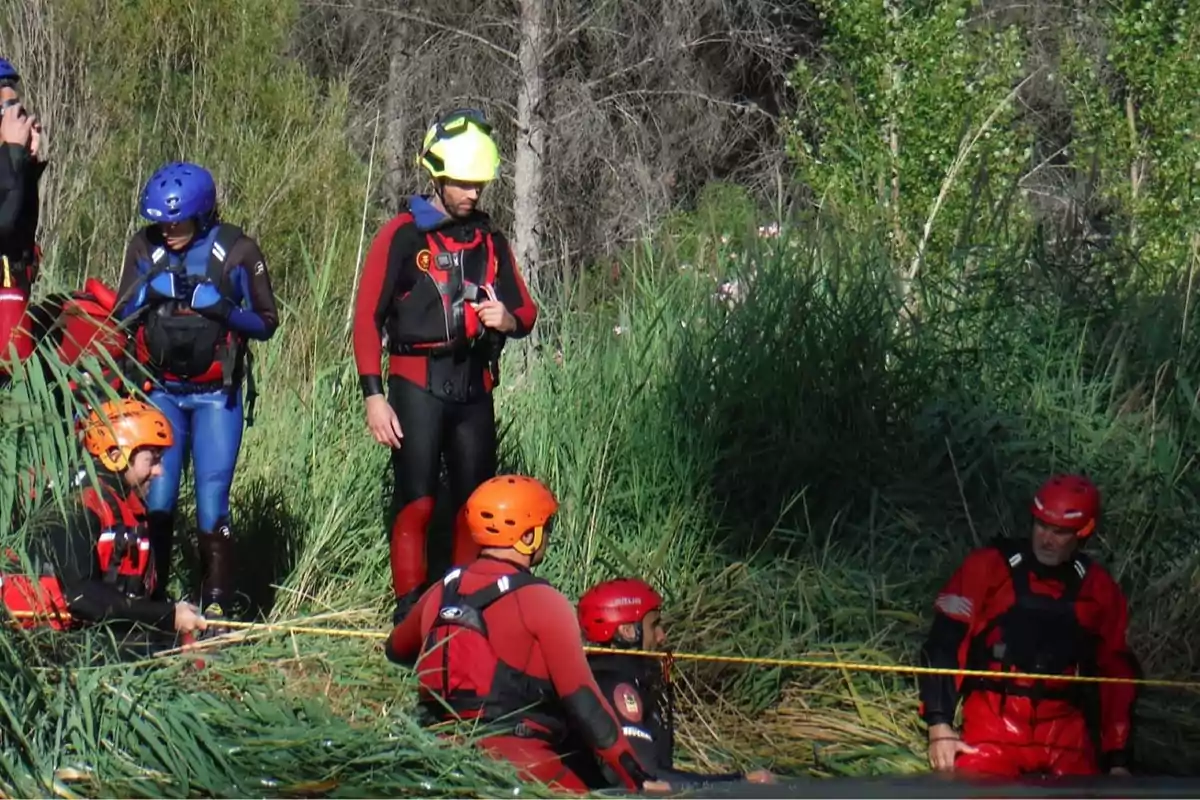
[[124, 425], [505, 508], [1068, 501]]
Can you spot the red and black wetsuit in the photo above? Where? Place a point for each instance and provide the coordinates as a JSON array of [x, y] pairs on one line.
[[101, 555], [1003, 610], [421, 274], [526, 673], [640, 696]]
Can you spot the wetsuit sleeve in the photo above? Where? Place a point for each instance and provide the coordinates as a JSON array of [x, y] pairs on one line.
[[404, 644], [376, 288], [631, 708], [1114, 659], [14, 161], [512, 290], [261, 318], [957, 611], [72, 552], [131, 290], [551, 619]]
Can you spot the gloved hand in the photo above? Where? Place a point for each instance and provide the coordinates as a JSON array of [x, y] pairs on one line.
[[165, 286], [208, 300]]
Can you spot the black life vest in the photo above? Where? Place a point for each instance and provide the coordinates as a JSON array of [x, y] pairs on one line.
[[461, 675], [461, 263], [1037, 633], [657, 699], [178, 343]]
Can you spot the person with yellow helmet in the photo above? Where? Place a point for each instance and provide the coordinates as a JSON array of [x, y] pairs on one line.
[[442, 283], [95, 564], [494, 644]]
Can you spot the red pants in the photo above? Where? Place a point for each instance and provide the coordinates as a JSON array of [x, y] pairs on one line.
[[1049, 737], [535, 760]]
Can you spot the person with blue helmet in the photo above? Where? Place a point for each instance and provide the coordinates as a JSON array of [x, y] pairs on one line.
[[197, 290], [22, 162]]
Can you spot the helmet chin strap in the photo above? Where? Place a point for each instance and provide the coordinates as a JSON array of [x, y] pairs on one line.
[[620, 644]]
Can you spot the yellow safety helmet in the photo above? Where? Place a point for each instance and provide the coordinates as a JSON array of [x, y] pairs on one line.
[[125, 425], [459, 146]]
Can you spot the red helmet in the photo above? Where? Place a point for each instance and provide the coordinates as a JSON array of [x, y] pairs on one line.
[[1068, 501], [608, 605]]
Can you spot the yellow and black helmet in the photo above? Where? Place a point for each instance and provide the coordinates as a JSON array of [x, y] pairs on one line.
[[459, 146]]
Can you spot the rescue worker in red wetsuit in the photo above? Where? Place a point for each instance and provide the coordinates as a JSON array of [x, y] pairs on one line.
[[1036, 606], [442, 281], [491, 642], [96, 564], [625, 614]]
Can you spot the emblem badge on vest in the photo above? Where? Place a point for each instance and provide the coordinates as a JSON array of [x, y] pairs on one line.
[[424, 258], [453, 612]]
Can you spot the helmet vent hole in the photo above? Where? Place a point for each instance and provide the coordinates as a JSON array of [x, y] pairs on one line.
[[510, 523], [492, 529], [487, 515]]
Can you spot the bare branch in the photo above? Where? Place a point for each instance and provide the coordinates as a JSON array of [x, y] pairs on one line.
[[423, 20]]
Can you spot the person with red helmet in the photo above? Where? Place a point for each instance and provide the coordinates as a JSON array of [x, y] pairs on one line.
[[95, 564], [626, 614], [1033, 606], [492, 643]]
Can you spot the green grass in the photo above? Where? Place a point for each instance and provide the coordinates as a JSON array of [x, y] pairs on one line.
[[797, 473]]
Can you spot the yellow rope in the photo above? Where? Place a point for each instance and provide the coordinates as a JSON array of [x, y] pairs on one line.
[[789, 663]]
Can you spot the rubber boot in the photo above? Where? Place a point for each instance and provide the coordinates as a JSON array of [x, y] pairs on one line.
[[216, 564], [160, 526]]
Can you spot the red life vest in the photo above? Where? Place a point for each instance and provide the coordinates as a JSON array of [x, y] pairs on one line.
[[122, 550], [459, 668]]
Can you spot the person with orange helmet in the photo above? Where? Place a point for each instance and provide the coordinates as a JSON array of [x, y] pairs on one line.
[[95, 564], [494, 644], [626, 614], [1033, 606]]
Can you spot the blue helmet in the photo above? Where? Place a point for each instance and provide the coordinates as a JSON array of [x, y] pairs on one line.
[[178, 192], [7, 71]]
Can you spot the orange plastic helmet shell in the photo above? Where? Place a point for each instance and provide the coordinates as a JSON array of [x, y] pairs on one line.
[[504, 508], [1068, 501], [124, 425]]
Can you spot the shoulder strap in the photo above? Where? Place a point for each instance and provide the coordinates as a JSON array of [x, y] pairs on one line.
[[481, 599], [94, 502], [227, 236]]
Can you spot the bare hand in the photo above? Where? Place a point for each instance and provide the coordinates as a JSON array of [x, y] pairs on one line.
[[656, 787], [760, 776], [383, 422], [15, 129], [944, 746], [35, 142], [188, 618], [493, 314]]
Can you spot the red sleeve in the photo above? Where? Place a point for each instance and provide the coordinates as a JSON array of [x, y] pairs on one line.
[[1114, 660], [404, 644], [373, 301], [958, 614], [512, 290], [551, 618]]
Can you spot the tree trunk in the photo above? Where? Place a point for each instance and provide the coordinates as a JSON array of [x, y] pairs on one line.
[[531, 142], [397, 120]]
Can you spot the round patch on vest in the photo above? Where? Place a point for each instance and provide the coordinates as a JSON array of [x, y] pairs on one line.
[[424, 259], [628, 703]]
